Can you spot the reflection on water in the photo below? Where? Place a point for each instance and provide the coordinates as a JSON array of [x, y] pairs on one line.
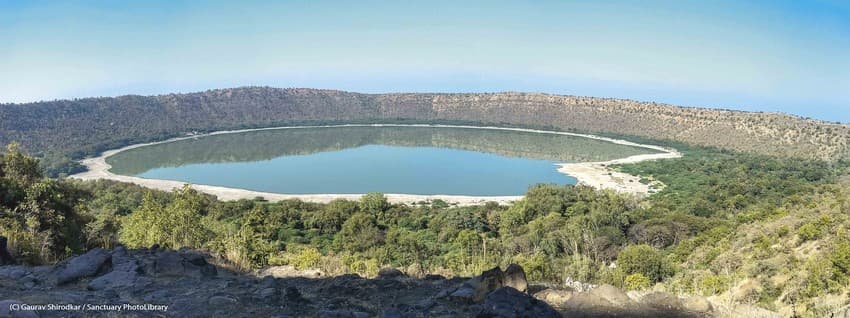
[[420, 160]]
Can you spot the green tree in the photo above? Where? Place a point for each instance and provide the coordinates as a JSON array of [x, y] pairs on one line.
[[358, 234], [175, 225], [39, 216], [375, 204], [329, 219], [412, 247], [642, 259], [146, 226]]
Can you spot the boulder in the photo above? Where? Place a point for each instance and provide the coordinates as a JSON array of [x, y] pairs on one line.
[[663, 301], [5, 256], [6, 310], [486, 283], [169, 263], [115, 279], [509, 302], [554, 297], [388, 272], [172, 263], [697, 304], [612, 294], [585, 302], [515, 277], [125, 272], [85, 265], [464, 294]]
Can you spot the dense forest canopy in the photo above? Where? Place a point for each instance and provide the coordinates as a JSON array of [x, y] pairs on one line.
[[63, 130]]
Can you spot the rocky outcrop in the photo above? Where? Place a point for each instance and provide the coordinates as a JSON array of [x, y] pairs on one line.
[[81, 266], [188, 285], [172, 263], [555, 297], [185, 284], [477, 288], [509, 302], [126, 272], [515, 277]]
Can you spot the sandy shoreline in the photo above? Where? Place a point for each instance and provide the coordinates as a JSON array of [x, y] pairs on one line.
[[595, 174]]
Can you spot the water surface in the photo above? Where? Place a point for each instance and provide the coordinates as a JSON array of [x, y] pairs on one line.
[[351, 160]]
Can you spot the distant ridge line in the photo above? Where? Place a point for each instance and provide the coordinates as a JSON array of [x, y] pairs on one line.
[[79, 127]]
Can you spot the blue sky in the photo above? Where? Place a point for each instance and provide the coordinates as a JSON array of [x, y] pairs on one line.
[[790, 56]]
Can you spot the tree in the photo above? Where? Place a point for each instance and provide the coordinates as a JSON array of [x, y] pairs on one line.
[[412, 247], [358, 234], [175, 225], [329, 220], [146, 226], [513, 218], [374, 203], [545, 199], [255, 240], [39, 216], [19, 168], [642, 259]]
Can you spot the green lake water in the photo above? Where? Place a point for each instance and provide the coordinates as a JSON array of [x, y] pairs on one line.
[[412, 160]]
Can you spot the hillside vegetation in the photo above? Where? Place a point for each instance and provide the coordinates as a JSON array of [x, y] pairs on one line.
[[70, 129], [743, 230]]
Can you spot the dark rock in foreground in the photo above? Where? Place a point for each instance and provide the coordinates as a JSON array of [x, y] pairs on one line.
[[165, 283], [81, 266]]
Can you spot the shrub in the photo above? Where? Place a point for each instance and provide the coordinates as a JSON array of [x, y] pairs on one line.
[[809, 231], [535, 266], [840, 258], [642, 259], [713, 284], [820, 278], [307, 258], [637, 281]]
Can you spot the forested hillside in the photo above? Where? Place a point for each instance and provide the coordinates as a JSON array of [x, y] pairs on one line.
[[70, 129]]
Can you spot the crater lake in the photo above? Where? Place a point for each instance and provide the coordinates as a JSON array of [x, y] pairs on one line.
[[422, 160]]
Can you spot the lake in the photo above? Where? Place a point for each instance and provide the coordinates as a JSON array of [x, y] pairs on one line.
[[353, 160]]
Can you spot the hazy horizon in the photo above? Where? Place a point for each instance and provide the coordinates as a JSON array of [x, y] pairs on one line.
[[772, 56]]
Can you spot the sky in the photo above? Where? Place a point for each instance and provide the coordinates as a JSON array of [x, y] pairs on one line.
[[771, 55]]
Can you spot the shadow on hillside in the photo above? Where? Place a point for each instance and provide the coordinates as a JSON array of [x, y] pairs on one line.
[[192, 287]]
